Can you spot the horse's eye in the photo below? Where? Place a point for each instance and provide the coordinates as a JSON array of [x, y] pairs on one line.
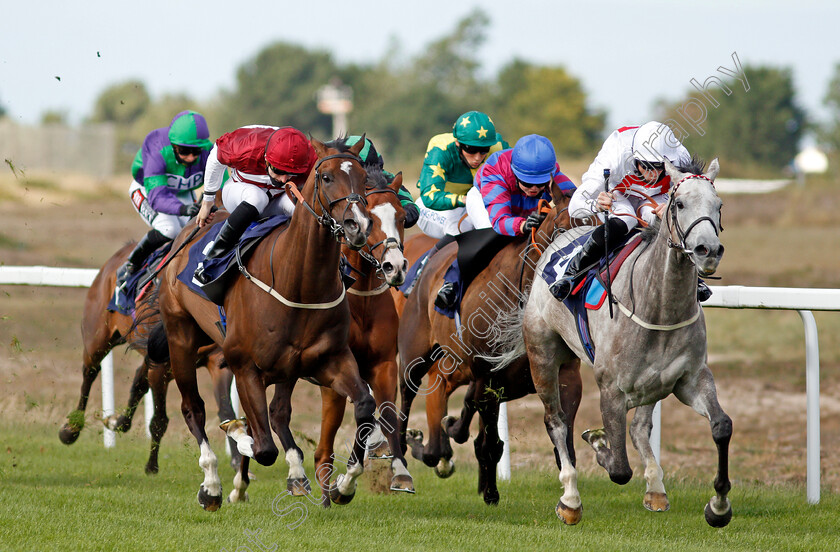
[[680, 204], [327, 178]]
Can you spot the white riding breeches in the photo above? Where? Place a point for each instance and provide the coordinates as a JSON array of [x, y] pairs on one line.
[[436, 224], [268, 202], [477, 211], [168, 225]]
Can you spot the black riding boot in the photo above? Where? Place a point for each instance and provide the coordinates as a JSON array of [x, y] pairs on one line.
[[148, 243], [592, 251], [232, 229]]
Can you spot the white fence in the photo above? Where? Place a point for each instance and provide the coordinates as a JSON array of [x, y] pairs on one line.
[[732, 297]]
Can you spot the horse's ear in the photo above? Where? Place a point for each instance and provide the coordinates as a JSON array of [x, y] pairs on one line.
[[319, 146], [675, 174], [714, 169], [558, 196], [397, 183], [358, 146]]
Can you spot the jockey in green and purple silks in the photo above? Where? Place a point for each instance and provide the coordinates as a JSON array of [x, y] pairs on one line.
[[166, 170]]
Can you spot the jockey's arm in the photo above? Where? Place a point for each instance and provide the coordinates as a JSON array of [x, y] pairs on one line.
[[214, 175]]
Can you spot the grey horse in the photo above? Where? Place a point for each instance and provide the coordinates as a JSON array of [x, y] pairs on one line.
[[654, 346]]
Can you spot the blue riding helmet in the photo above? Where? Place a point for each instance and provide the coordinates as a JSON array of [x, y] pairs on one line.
[[533, 159]]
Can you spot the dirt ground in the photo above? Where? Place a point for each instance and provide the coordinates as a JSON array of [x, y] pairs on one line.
[[761, 387]]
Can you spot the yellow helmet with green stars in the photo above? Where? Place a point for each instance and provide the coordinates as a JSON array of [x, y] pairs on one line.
[[475, 128]]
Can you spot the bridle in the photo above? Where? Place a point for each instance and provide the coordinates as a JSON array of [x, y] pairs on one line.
[[387, 244], [674, 224], [326, 219]]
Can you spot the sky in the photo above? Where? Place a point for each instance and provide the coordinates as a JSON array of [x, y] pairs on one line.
[[60, 55]]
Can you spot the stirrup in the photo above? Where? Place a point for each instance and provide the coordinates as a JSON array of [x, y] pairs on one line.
[[419, 273], [446, 296], [562, 288]]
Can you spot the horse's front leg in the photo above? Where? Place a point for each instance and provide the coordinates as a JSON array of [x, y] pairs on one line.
[[384, 387], [610, 443], [158, 377], [656, 499], [437, 453], [297, 483], [348, 383], [699, 393], [489, 447]]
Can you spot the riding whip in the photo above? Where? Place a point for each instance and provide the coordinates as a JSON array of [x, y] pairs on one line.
[[607, 243]]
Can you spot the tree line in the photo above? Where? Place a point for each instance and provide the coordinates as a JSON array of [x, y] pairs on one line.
[[401, 103]]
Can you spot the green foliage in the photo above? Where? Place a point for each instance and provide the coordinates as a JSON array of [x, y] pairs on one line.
[[533, 99], [761, 126], [829, 134], [54, 117], [121, 103], [278, 87]]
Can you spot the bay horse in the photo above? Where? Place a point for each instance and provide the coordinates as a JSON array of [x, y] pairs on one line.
[[297, 327], [373, 330], [104, 330], [431, 341], [655, 346]]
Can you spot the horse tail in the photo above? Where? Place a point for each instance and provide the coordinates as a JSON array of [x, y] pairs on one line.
[[507, 340], [157, 345]]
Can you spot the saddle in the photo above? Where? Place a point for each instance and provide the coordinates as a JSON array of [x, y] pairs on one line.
[[223, 270], [124, 300], [590, 292]]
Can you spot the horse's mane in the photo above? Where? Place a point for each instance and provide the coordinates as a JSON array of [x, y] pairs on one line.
[[376, 177], [694, 166]]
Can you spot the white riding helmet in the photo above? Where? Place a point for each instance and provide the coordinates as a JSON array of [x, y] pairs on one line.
[[654, 142]]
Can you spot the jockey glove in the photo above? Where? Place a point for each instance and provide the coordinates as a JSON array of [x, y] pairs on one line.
[[533, 221], [190, 210]]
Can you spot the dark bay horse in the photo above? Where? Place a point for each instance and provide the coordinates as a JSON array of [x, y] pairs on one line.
[[102, 331], [297, 327], [431, 341], [654, 346]]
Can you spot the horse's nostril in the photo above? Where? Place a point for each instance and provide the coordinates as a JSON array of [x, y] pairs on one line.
[[387, 267], [720, 252], [701, 251], [351, 225]]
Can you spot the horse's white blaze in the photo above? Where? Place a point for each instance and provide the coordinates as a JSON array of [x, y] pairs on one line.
[[387, 215], [399, 467], [244, 442], [346, 166], [208, 462], [295, 462], [346, 482], [363, 221]]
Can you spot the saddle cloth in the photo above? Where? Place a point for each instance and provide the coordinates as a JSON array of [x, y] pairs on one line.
[[223, 270], [124, 300]]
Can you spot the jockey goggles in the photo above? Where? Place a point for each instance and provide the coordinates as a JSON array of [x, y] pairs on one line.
[[278, 172], [527, 185], [650, 165], [184, 151], [466, 148]]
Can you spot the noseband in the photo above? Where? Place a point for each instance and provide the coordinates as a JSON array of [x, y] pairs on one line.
[[388, 243], [674, 223], [326, 218]]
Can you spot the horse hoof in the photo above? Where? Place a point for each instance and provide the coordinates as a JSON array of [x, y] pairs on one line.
[[208, 502], [298, 486], [570, 516], [402, 483], [68, 434], [597, 438], [380, 452], [339, 498], [718, 520], [445, 468], [414, 437], [657, 502], [152, 469], [235, 497], [491, 498]]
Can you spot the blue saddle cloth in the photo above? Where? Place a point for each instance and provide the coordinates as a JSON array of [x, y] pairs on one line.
[[222, 269], [124, 299], [411, 275]]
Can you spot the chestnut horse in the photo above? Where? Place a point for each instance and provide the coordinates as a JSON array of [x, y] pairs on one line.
[[102, 331], [428, 339], [295, 328]]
